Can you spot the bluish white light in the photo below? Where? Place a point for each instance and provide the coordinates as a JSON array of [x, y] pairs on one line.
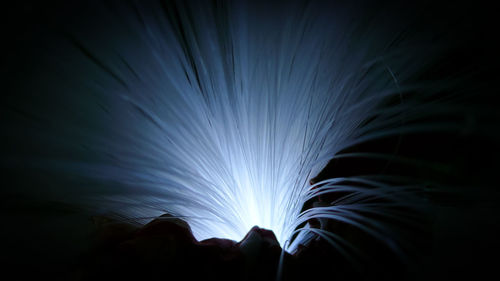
[[222, 115]]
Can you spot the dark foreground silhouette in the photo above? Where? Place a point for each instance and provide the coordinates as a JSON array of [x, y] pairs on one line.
[[165, 249]]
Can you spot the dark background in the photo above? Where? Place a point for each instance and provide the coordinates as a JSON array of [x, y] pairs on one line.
[[47, 237]]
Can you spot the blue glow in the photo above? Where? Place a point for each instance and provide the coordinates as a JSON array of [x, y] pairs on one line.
[[221, 115]]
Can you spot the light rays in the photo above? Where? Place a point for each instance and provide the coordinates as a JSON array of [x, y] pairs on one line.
[[220, 113]]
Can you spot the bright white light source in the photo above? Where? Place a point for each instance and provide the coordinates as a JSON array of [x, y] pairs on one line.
[[224, 122]]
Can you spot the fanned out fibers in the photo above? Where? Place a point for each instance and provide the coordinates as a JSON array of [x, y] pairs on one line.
[[221, 112]]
